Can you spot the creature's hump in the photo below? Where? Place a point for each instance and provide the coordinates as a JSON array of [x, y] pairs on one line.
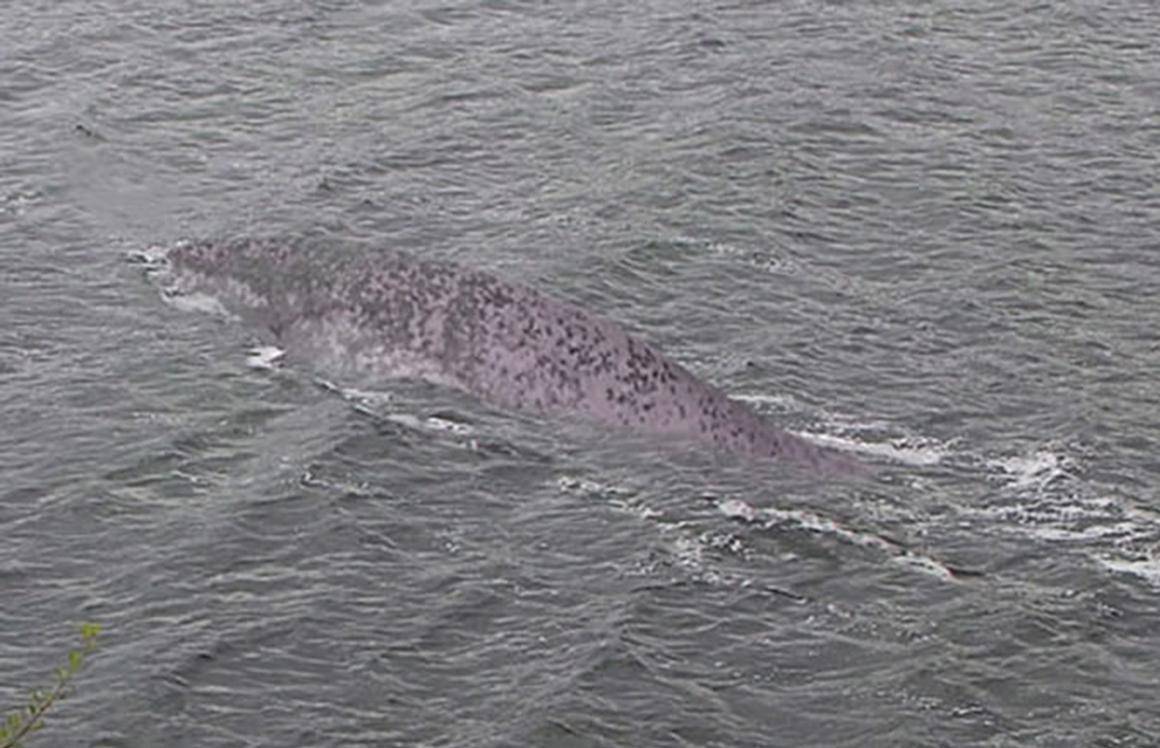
[[389, 314]]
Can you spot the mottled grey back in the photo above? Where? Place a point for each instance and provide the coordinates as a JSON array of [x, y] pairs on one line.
[[394, 316]]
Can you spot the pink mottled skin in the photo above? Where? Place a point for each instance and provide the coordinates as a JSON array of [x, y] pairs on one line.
[[392, 315]]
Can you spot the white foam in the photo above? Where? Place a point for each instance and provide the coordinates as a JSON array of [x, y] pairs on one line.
[[769, 518], [405, 419], [153, 257], [1043, 498], [435, 423], [583, 485], [738, 509], [1144, 515], [906, 450], [765, 259], [917, 451], [197, 302], [617, 497], [925, 564], [264, 357], [1042, 509], [1147, 569], [1035, 470], [1080, 534], [785, 402], [687, 549]]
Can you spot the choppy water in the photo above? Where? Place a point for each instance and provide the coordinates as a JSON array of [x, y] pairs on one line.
[[926, 233]]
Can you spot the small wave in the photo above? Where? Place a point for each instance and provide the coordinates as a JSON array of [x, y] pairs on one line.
[[770, 518], [687, 549], [618, 498], [1104, 528], [373, 402], [17, 202]]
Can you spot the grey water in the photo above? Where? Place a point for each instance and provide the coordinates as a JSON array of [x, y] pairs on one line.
[[923, 234]]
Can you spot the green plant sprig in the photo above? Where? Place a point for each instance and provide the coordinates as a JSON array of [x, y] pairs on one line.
[[23, 722]]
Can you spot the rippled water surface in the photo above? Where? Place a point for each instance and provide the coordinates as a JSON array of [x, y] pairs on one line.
[[924, 233]]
